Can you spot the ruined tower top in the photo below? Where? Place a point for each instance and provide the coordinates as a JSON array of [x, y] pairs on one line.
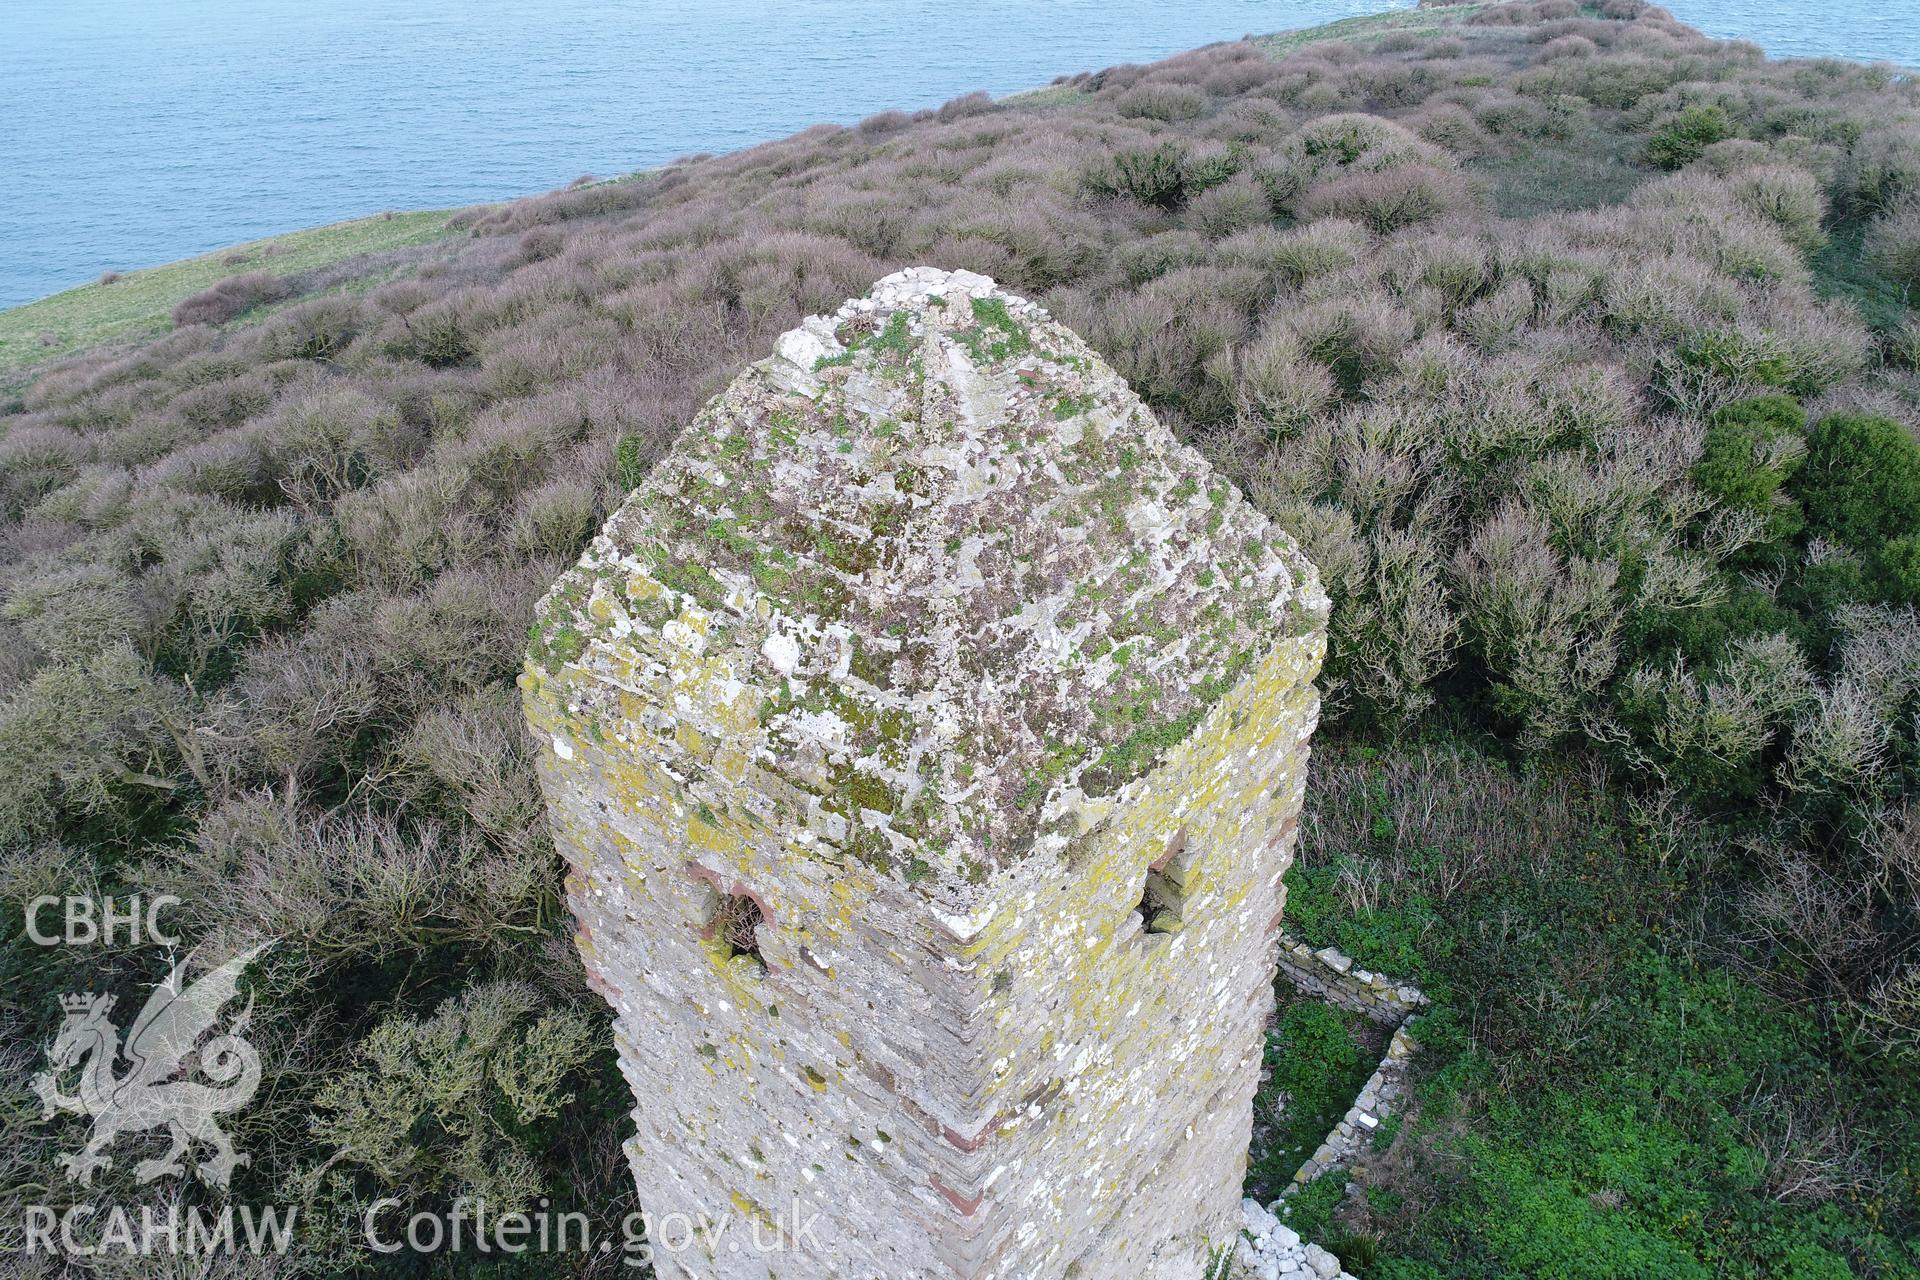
[[978, 588], [926, 740]]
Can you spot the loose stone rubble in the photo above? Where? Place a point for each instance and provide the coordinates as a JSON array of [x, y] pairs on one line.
[[1271, 1250], [927, 738]]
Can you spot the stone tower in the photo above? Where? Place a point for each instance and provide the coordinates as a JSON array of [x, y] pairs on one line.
[[927, 737]]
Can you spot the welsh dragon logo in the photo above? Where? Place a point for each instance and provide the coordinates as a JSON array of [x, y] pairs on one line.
[[156, 1089]]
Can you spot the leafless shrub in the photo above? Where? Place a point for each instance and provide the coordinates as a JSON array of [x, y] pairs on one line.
[[1238, 77], [94, 737], [1807, 1146], [1449, 125], [470, 761], [410, 526], [967, 104], [1397, 631], [1892, 840], [72, 613], [554, 521], [1569, 46], [1880, 652], [1882, 170], [1893, 242], [1493, 321], [1733, 156], [884, 122], [1902, 344], [230, 298], [1823, 345], [1279, 388], [1891, 1011], [1824, 922], [1162, 336], [1839, 746], [317, 330], [1358, 341], [1388, 200], [1224, 210], [356, 884], [538, 244], [297, 707], [1394, 84], [1546, 625], [598, 200], [1342, 145], [1726, 721], [1785, 196], [1318, 250], [214, 405], [1161, 102], [35, 460], [1483, 819]]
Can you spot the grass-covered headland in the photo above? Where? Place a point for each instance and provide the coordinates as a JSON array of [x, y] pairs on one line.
[[128, 306], [1577, 348]]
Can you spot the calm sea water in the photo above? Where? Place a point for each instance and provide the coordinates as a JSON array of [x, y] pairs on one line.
[[141, 131]]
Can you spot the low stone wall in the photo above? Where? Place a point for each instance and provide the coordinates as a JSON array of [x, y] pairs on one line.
[[1333, 976], [1376, 1101], [1269, 1249]]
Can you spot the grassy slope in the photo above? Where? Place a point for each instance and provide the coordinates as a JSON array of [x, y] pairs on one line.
[[1362, 32], [1520, 185], [136, 305], [1366, 30]]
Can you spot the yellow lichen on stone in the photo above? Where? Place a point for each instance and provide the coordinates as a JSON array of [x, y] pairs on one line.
[[929, 643]]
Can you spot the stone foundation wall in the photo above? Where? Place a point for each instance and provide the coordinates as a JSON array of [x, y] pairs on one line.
[[1347, 1143], [1332, 975]]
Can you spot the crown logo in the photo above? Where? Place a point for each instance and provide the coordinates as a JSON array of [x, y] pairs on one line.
[[77, 1001]]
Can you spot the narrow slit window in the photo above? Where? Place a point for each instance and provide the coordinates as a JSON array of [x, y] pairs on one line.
[[1160, 905], [1162, 899]]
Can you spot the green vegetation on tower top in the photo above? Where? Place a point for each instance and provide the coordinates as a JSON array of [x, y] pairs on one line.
[[935, 495]]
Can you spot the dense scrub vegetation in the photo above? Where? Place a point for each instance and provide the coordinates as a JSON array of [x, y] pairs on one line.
[[1573, 345]]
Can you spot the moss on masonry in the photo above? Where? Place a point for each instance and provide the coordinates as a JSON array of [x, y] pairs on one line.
[[880, 508]]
